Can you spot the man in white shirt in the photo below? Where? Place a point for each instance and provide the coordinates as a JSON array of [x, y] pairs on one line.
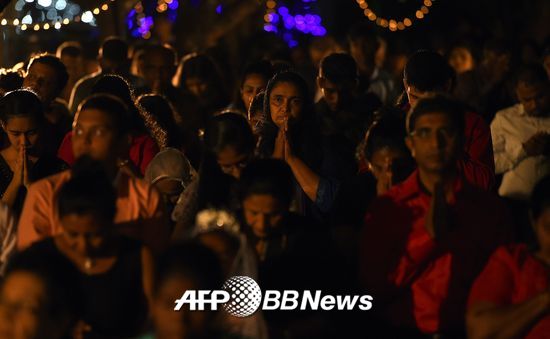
[[521, 135]]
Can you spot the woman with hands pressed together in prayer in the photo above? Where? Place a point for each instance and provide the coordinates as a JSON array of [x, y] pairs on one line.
[[291, 134], [23, 161]]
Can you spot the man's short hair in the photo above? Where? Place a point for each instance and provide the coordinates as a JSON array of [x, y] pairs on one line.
[[455, 110], [70, 48], [267, 176], [56, 64], [165, 50], [114, 49], [532, 74], [338, 68], [262, 67], [428, 71], [113, 106]]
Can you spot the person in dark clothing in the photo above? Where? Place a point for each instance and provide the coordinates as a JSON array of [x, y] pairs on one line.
[[24, 160], [253, 81], [388, 163], [116, 272], [168, 134], [341, 110], [293, 252], [10, 80], [186, 266], [200, 81], [113, 59], [364, 44], [47, 76], [228, 148], [488, 87], [291, 132]]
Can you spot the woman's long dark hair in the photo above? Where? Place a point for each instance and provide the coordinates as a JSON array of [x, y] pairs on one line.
[[203, 67], [216, 189], [140, 120], [20, 103], [161, 110]]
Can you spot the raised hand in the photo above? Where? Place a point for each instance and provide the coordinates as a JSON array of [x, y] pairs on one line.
[[25, 161], [20, 171], [279, 150]]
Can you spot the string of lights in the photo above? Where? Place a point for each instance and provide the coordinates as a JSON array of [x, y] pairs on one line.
[[50, 18], [391, 23]]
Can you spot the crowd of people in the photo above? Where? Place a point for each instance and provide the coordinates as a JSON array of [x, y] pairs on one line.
[[124, 188]]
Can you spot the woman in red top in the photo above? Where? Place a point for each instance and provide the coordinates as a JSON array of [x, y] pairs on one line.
[[142, 125], [511, 297]]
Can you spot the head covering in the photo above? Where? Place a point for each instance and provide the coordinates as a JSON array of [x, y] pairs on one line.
[[170, 164]]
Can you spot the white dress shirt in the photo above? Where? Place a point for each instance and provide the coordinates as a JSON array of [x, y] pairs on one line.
[[510, 128]]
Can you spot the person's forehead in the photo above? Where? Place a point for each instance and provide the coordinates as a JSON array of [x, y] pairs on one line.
[[28, 285], [327, 83], [229, 155], [93, 117], [20, 123], [526, 87], [261, 201], [435, 118], [195, 81], [285, 88], [39, 68], [254, 79]]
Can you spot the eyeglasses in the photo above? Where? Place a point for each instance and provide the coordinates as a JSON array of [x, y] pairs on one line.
[[428, 133]]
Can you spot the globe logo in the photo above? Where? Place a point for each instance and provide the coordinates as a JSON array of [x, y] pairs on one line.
[[245, 296]]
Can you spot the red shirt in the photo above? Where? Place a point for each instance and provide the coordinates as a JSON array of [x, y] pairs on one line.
[[142, 151], [415, 280], [478, 162], [513, 275]]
